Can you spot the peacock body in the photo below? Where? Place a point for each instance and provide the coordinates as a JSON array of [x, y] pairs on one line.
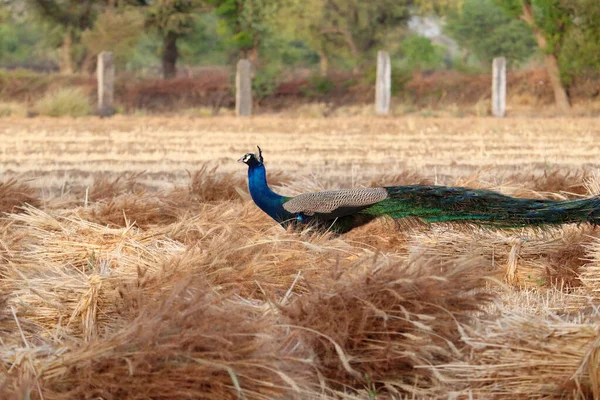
[[345, 209]]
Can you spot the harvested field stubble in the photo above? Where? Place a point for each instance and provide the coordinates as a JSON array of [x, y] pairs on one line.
[[120, 283]]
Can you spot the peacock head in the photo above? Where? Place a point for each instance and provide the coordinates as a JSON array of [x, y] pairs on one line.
[[251, 159]]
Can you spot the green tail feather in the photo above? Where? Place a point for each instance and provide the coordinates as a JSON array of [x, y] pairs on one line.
[[447, 204]]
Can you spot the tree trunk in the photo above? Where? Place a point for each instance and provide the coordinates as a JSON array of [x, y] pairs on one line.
[[550, 60], [323, 63], [357, 67], [254, 52], [66, 63], [253, 55], [88, 65], [351, 45], [560, 94], [169, 56]]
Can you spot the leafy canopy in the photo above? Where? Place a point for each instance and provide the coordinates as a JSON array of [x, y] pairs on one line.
[[487, 31]]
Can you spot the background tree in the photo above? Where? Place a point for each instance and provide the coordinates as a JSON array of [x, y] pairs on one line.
[[171, 19], [301, 19], [346, 29], [249, 22], [21, 41], [70, 18], [486, 31], [361, 25], [580, 53], [550, 21], [116, 30]]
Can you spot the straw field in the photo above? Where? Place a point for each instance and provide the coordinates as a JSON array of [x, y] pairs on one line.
[[134, 265]]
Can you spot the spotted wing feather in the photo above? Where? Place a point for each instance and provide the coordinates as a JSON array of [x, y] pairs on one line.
[[330, 201]]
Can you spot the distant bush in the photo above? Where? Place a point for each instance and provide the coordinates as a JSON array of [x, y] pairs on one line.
[[12, 109], [266, 80], [5, 111], [420, 53], [318, 86], [19, 84], [68, 101]]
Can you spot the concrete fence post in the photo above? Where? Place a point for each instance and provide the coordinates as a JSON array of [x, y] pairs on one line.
[[243, 89], [499, 87], [383, 85], [106, 83]]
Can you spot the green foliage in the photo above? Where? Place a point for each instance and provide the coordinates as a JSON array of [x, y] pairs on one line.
[[13, 82], [171, 16], [248, 22], [116, 31], [549, 17], [145, 52], [580, 53], [68, 101], [361, 27], [438, 7], [513, 8], [204, 44], [171, 19], [419, 53], [20, 41], [63, 22], [570, 29], [318, 86], [347, 32], [266, 80], [295, 52], [366, 21], [71, 14], [484, 29]]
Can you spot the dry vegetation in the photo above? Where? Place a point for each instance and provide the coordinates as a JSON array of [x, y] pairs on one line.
[[133, 264]]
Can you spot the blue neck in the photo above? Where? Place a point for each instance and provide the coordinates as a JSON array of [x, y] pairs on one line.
[[267, 200]]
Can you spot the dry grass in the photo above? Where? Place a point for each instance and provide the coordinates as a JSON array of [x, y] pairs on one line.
[[523, 356], [376, 325], [134, 265]]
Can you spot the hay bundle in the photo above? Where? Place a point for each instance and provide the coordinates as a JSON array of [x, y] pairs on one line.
[[190, 344], [122, 201], [556, 184], [519, 355], [14, 194], [58, 241], [376, 324], [590, 273], [142, 210], [209, 185], [61, 275], [238, 253], [105, 188], [524, 258]]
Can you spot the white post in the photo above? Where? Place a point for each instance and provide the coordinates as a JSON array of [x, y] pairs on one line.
[[383, 85], [243, 89], [106, 83], [499, 87]]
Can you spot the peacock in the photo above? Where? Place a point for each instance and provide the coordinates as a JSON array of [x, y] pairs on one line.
[[343, 210]]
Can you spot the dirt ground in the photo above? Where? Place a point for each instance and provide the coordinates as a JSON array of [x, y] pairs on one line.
[[344, 148]]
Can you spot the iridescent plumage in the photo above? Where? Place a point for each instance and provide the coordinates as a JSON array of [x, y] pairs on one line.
[[345, 209]]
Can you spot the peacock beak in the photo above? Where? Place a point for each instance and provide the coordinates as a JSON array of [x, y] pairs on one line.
[[241, 159]]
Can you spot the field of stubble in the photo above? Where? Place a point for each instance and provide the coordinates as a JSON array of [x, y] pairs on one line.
[[133, 264]]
